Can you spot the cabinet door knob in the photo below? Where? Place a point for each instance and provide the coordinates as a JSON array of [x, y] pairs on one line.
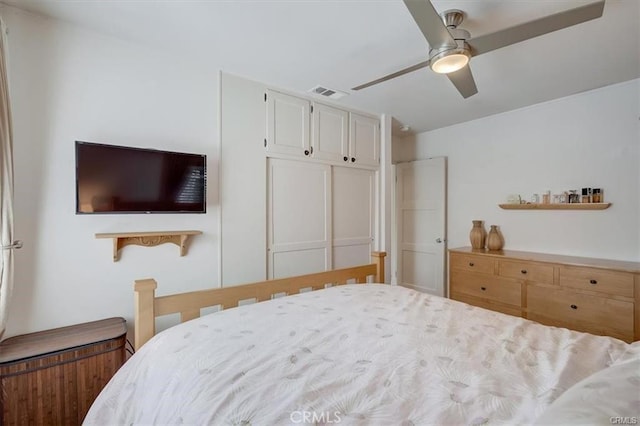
[[483, 288], [523, 271], [345, 158], [594, 282], [471, 263], [306, 152], [353, 159], [574, 307]]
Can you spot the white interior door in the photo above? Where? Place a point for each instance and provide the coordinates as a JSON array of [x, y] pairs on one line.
[[420, 220], [299, 218], [353, 200]]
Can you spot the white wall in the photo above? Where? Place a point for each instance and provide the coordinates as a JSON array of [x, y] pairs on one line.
[[587, 140], [68, 84], [243, 176]]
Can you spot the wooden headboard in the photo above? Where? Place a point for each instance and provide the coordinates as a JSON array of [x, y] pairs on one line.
[[188, 305]]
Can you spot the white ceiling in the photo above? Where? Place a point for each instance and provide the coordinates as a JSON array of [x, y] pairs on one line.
[[297, 44]]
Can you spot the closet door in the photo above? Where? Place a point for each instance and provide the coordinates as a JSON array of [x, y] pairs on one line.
[[353, 200], [330, 133], [364, 140], [287, 124], [299, 218]]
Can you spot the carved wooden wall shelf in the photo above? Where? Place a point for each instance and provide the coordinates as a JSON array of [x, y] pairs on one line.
[[148, 239]]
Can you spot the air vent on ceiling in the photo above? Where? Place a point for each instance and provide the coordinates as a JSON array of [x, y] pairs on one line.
[[329, 93]]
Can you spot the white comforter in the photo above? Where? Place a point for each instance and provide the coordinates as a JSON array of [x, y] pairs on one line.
[[358, 354]]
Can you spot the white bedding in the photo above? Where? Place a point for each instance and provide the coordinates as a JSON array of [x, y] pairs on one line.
[[360, 354]]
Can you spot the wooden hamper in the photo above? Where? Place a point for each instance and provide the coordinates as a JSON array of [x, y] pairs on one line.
[[53, 376]]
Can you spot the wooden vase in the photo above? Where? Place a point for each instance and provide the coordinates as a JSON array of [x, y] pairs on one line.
[[477, 235], [495, 240]]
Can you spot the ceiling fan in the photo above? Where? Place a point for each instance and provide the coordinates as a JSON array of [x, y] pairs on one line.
[[451, 47]]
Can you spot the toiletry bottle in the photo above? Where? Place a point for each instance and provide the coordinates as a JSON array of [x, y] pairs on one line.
[[573, 196], [596, 196], [564, 197]]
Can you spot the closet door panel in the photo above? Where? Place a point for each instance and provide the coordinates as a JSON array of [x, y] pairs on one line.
[[353, 202], [330, 133], [351, 255], [298, 262], [287, 124], [299, 218], [364, 139]]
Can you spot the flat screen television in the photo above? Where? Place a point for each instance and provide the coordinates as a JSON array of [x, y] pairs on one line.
[[118, 179]]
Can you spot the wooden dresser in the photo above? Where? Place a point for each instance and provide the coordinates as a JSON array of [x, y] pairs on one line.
[[53, 376], [597, 296]]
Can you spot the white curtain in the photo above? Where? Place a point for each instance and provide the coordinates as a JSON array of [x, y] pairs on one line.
[[6, 185]]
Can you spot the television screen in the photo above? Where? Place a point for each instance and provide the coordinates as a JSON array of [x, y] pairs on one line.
[[118, 179]]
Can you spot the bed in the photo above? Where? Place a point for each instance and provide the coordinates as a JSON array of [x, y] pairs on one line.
[[363, 354]]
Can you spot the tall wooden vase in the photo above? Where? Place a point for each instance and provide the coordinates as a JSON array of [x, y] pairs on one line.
[[495, 240], [477, 234]]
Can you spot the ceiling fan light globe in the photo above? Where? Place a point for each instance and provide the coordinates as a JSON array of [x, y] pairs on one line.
[[450, 61]]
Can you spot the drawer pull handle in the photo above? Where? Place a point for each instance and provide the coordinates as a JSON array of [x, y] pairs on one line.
[[470, 263], [594, 282], [483, 288], [574, 307], [523, 271]]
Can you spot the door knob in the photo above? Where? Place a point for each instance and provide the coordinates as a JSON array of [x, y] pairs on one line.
[[439, 240]]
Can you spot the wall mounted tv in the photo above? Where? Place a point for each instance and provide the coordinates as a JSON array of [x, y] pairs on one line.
[[118, 179]]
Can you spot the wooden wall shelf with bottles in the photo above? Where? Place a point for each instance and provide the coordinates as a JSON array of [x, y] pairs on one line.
[[563, 206]]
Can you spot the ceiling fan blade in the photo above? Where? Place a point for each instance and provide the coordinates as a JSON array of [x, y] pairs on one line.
[[394, 75], [535, 28], [464, 82], [430, 23]]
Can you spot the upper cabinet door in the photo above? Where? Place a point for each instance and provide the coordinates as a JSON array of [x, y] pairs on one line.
[[330, 133], [364, 147], [287, 124]]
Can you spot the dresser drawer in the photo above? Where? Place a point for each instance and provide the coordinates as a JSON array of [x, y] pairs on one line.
[[483, 303], [578, 311], [610, 282], [471, 263], [538, 272], [501, 290]]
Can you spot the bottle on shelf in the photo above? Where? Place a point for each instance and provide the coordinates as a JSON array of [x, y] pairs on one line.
[[573, 196]]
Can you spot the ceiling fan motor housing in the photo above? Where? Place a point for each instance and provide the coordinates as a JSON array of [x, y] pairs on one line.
[[452, 17]]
